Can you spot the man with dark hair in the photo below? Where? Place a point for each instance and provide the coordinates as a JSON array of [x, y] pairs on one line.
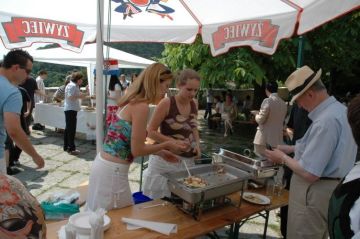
[[16, 66], [270, 120], [323, 156]]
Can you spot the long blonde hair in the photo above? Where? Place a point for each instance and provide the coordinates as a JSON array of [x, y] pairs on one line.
[[147, 85]]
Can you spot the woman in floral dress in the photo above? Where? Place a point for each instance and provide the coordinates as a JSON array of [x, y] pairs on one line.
[[108, 184]]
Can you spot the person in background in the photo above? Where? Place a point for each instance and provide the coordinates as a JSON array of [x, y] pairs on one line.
[[214, 120], [20, 213], [115, 91], [59, 95], [344, 206], [246, 107], [297, 126], [209, 101], [229, 114], [133, 78], [41, 86], [71, 107], [15, 68], [40, 97], [108, 183], [270, 120], [123, 82], [323, 156], [14, 150], [176, 117]]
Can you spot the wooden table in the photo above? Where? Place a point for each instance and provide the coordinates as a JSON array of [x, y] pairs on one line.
[[187, 226]]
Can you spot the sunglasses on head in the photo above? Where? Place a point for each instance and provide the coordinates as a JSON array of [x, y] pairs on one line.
[[166, 74], [28, 71]]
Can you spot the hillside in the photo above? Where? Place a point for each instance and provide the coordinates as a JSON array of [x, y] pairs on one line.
[[57, 73]]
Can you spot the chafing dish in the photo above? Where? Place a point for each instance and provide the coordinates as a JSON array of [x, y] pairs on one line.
[[219, 184], [258, 167]]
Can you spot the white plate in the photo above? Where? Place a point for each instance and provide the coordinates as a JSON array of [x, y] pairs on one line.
[[80, 222], [256, 198]]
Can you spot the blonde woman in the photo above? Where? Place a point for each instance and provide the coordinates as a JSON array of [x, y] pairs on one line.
[[177, 118], [108, 185]]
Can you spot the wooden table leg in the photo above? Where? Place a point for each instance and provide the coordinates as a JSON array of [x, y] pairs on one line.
[[267, 213]]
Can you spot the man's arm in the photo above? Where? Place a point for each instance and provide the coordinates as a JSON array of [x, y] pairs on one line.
[[263, 114], [39, 92], [17, 134], [277, 156]]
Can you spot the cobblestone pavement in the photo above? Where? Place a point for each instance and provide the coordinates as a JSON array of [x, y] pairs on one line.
[[63, 171]]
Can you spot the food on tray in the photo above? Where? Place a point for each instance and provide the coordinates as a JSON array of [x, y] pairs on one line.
[[219, 169], [194, 182], [253, 198]]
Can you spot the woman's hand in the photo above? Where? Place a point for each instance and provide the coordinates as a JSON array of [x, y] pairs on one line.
[[168, 156], [197, 150], [177, 146]]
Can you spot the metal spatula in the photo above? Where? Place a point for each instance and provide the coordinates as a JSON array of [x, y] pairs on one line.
[[187, 169]]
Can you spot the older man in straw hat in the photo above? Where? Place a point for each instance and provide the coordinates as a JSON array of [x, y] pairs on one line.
[[323, 156]]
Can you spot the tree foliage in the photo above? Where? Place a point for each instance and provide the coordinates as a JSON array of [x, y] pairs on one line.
[[333, 47]]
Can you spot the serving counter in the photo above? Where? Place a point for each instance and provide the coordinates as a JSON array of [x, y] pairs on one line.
[[53, 115]]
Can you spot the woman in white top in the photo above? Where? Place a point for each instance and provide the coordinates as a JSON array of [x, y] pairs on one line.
[[114, 94]]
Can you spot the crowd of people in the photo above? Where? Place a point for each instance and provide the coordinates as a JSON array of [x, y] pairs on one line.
[[318, 160]]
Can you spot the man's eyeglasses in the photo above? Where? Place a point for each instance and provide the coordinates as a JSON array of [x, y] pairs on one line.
[[28, 71]]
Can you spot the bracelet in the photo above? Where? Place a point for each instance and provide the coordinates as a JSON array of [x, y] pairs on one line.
[[284, 157]]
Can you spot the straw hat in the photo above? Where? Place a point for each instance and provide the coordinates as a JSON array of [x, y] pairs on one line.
[[301, 80]]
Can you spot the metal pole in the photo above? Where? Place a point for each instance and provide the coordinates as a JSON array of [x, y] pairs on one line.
[[300, 55], [99, 75]]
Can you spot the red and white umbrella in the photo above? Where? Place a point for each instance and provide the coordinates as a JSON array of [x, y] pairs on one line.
[[223, 24], [260, 24]]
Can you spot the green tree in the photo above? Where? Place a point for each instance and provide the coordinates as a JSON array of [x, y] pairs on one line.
[[333, 47]]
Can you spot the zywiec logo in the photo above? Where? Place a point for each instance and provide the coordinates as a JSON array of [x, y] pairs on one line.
[[21, 28], [255, 30]]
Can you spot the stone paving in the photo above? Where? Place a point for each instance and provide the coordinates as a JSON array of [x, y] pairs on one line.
[[63, 171]]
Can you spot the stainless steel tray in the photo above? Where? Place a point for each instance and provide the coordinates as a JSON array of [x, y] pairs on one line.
[[219, 184], [259, 168]]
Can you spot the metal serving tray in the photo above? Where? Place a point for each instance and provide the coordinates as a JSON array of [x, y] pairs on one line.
[[259, 167], [219, 184]]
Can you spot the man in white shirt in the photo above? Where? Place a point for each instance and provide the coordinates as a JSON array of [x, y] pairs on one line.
[[40, 96]]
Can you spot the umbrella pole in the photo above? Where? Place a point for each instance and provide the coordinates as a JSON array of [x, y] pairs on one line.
[[300, 55], [99, 75]]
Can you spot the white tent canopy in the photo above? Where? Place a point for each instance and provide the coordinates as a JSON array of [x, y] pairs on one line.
[[87, 58], [88, 55]]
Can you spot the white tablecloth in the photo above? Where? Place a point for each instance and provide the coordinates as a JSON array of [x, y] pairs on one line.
[[53, 115]]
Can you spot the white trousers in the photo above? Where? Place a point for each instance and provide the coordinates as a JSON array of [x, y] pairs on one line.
[[108, 185], [155, 185]]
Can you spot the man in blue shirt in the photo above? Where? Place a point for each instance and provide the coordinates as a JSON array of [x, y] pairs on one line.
[[16, 66], [323, 156]]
